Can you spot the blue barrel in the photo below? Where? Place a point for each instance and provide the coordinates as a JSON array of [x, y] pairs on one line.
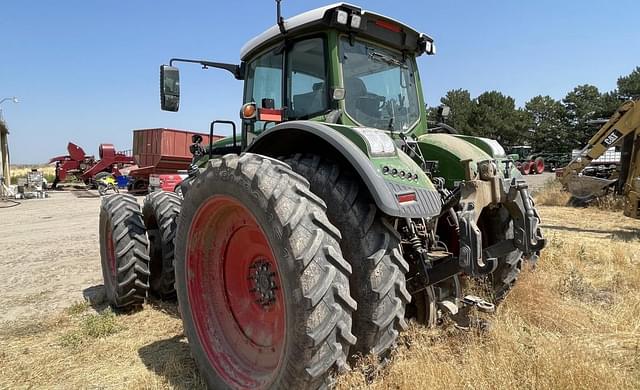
[[122, 181]]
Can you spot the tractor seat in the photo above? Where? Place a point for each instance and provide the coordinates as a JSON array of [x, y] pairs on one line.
[[309, 103], [358, 100]]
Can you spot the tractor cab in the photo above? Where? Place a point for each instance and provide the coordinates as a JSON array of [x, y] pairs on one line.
[[337, 64]]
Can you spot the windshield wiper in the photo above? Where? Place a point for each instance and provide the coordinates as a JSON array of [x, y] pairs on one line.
[[385, 58]]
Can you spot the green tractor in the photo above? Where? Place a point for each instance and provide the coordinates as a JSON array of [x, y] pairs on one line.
[[527, 162], [330, 219]]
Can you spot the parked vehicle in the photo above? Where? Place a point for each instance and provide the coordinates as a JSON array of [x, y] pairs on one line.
[[160, 153], [330, 219]]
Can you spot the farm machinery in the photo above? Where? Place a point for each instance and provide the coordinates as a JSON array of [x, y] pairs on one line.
[[85, 168], [161, 154], [527, 162], [585, 182], [330, 219]]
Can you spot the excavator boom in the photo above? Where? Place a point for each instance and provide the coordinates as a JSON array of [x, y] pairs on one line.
[[625, 122]]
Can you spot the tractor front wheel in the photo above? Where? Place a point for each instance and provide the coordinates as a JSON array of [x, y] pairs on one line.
[[372, 247], [496, 226], [123, 251], [262, 285]]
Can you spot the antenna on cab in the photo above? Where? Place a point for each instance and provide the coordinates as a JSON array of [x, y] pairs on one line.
[[279, 18]]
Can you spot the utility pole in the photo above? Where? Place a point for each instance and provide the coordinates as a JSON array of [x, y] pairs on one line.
[[4, 144]]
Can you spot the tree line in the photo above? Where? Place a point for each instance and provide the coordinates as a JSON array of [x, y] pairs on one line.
[[547, 124]]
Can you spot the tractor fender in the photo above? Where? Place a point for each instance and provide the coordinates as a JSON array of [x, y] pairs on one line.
[[314, 137]]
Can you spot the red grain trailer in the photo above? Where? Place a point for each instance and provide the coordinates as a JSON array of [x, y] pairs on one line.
[[161, 152]]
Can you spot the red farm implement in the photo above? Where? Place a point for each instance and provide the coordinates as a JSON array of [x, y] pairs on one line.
[[85, 167]]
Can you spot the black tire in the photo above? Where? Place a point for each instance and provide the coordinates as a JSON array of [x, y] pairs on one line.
[[314, 276], [123, 251], [497, 225], [372, 247], [160, 211]]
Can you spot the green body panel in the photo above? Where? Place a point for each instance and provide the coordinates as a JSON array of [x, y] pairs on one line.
[[450, 151], [489, 146], [496, 151], [399, 160]]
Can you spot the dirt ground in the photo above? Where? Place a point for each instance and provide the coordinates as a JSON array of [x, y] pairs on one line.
[[49, 253], [574, 322]]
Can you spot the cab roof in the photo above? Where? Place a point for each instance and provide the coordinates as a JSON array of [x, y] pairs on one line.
[[372, 25]]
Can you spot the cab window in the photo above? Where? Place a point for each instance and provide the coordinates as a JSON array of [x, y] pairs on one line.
[[307, 79], [264, 81]]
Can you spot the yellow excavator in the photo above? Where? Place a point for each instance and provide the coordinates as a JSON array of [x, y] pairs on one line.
[[622, 129]]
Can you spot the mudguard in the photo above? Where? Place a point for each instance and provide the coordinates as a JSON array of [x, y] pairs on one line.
[[344, 143]]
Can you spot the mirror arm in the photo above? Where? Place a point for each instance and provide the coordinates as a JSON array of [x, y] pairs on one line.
[[236, 70]]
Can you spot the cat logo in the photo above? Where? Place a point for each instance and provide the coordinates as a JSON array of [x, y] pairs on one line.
[[612, 138]]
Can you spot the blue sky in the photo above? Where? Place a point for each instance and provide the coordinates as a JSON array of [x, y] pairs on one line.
[[87, 71]]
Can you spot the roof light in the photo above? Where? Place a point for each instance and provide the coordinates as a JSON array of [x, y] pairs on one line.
[[341, 17], [430, 47], [355, 21]]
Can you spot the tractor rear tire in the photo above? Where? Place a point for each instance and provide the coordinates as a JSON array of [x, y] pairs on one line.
[[160, 212], [123, 251], [497, 225], [262, 284], [372, 247]]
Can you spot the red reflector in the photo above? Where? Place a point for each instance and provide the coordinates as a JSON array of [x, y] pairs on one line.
[[270, 115], [404, 198], [388, 25]]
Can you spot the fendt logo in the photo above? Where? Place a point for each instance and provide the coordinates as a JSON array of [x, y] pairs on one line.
[[612, 138]]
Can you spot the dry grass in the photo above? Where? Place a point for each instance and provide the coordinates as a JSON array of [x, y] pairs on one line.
[[552, 194], [573, 322], [18, 171]]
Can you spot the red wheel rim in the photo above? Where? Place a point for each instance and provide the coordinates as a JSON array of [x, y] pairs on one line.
[[539, 166], [111, 253], [229, 268], [525, 168]]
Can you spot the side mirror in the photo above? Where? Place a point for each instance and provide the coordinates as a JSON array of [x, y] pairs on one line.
[[169, 88]]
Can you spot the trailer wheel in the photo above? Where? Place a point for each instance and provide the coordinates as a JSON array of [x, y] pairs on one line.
[[497, 225], [371, 246], [160, 212], [123, 251], [262, 285]]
